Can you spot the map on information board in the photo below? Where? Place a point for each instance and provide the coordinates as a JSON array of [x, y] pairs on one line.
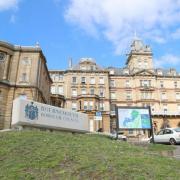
[[134, 118]]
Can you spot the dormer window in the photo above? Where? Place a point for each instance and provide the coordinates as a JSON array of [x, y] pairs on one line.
[[126, 71], [159, 72], [83, 68], [111, 71], [92, 68], [173, 72]]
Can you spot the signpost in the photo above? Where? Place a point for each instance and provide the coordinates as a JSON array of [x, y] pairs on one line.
[[98, 116]]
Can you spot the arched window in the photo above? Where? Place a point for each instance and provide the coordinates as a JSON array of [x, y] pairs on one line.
[[2, 56]]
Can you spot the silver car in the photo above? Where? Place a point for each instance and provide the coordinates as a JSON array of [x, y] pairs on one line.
[[168, 135]]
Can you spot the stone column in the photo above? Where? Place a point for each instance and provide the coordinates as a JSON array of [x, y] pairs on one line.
[[6, 67]]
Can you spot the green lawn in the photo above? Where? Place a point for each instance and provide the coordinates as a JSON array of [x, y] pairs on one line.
[[58, 155]]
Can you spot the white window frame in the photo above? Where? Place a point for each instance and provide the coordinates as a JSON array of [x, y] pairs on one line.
[[101, 80], [91, 105], [74, 106], [177, 95], [113, 95], [101, 106], [127, 83], [101, 92], [92, 80], [60, 90], [83, 91], [83, 80], [128, 95], [74, 78], [74, 92], [85, 105], [161, 84], [112, 83], [91, 91], [163, 96], [175, 84], [53, 89]]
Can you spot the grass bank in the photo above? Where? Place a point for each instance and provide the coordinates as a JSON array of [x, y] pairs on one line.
[[58, 155]]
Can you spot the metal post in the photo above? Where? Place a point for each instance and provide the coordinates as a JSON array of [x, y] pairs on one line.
[[152, 129]]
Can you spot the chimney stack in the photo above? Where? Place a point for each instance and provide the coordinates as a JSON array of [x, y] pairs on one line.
[[70, 63]]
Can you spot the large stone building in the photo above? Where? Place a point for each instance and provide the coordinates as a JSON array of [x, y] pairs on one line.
[[23, 73], [85, 88], [88, 88]]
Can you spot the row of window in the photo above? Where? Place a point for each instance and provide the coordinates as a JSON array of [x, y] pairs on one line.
[[74, 92], [145, 95], [91, 92], [125, 71], [143, 64], [87, 105], [57, 90], [84, 80], [59, 77], [143, 83], [56, 77], [89, 68], [164, 96]]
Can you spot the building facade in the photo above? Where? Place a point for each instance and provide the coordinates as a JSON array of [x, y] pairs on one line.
[[88, 88], [23, 73], [85, 88]]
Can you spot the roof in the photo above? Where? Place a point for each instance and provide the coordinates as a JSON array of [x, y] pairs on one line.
[[159, 72], [35, 48]]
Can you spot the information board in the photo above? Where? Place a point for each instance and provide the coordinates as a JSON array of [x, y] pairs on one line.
[[133, 118]]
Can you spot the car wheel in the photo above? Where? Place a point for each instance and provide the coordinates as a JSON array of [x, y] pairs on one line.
[[172, 141]]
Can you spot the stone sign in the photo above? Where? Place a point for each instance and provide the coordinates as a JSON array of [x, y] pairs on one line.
[[30, 113]]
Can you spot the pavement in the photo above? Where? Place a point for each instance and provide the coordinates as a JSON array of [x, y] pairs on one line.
[[176, 152], [5, 130]]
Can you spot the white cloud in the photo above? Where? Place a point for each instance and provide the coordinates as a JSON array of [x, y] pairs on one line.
[[167, 60], [117, 20], [8, 4], [176, 34]]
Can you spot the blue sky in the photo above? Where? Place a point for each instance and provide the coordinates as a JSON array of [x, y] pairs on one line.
[[100, 29]]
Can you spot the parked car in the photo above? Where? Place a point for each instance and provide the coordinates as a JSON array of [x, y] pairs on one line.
[[121, 136], [168, 136]]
